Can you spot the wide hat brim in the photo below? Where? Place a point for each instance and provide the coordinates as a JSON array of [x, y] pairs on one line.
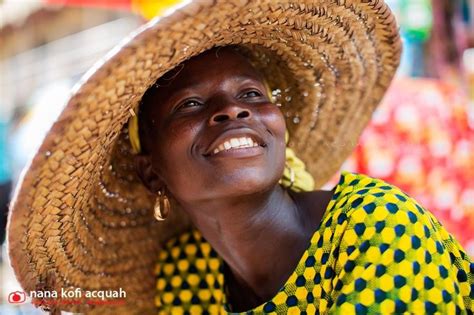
[[82, 219]]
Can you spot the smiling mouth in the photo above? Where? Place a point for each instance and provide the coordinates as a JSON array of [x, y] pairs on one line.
[[235, 143]]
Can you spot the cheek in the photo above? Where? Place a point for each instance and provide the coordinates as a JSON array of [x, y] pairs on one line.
[[172, 148], [277, 125], [275, 121]]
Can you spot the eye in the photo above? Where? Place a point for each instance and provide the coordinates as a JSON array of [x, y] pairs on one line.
[[251, 94], [188, 104]]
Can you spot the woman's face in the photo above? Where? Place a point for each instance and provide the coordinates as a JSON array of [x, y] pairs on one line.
[[215, 133]]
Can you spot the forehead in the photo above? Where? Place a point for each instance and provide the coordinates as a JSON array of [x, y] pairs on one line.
[[218, 63]]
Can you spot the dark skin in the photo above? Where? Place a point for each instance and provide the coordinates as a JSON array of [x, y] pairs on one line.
[[259, 228]]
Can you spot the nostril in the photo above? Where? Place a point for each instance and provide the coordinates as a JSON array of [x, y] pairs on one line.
[[231, 114], [243, 114], [220, 118]]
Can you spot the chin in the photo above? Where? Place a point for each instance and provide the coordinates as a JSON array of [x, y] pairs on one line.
[[247, 181]]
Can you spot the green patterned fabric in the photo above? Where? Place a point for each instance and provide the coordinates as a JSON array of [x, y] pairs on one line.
[[376, 251]]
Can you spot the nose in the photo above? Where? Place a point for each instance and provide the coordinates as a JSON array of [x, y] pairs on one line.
[[230, 111]]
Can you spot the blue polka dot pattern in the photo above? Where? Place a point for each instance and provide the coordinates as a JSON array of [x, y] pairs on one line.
[[376, 251]]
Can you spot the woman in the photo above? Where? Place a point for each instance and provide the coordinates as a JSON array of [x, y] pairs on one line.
[[212, 120], [208, 148]]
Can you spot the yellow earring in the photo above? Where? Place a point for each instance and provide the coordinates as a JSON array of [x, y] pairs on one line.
[[162, 206]]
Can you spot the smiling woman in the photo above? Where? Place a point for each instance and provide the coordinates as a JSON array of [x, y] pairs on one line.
[[257, 247], [242, 109], [214, 103]]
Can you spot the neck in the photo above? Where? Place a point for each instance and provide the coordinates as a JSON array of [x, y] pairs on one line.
[[245, 231]]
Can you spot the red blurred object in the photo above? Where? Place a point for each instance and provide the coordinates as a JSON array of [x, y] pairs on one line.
[[420, 139]]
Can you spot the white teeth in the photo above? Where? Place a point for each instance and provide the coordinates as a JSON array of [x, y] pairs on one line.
[[234, 142], [243, 142]]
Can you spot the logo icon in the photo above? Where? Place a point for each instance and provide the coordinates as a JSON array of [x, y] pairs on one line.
[[17, 297]]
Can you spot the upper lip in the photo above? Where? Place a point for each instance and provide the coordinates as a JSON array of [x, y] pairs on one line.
[[235, 132]]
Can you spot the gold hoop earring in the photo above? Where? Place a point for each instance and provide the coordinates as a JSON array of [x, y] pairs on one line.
[[292, 175], [162, 206]]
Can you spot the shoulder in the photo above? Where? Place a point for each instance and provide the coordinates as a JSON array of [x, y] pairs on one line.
[[390, 243], [360, 197], [377, 219]]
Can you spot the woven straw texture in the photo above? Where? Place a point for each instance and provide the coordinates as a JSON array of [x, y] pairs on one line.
[[81, 218]]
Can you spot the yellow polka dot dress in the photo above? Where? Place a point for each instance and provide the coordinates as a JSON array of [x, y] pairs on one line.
[[376, 251]]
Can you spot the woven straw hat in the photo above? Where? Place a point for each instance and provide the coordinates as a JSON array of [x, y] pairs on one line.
[[82, 219]]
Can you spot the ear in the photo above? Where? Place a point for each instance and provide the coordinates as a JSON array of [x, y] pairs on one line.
[[144, 169]]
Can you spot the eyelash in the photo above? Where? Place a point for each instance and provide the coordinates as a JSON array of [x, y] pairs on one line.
[[186, 103]]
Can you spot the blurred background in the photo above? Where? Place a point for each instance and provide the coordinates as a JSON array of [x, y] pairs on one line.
[[421, 138]]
